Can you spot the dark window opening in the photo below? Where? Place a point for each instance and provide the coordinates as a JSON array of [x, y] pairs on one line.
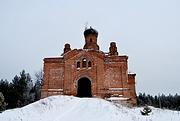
[[84, 88], [84, 63], [89, 64], [78, 64]]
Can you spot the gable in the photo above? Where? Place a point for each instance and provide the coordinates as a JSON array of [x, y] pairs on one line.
[[83, 53]]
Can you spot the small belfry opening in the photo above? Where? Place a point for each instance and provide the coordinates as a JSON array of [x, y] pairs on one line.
[[84, 87]]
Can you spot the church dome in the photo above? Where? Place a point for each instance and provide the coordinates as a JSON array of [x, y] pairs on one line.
[[90, 31]]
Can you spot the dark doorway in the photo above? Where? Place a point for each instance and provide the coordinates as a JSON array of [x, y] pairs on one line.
[[84, 88]]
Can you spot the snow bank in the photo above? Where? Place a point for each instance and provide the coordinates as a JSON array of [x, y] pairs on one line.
[[68, 108]]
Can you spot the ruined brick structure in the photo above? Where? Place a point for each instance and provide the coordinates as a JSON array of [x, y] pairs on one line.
[[89, 72]]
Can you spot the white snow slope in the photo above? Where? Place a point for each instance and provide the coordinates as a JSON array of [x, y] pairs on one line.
[[68, 108]]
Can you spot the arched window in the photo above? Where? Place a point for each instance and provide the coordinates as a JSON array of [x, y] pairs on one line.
[[84, 63], [89, 64], [78, 64]]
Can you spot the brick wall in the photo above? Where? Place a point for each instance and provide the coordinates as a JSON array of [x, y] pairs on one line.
[[108, 75]]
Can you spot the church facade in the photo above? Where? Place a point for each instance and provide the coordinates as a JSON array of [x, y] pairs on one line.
[[90, 72]]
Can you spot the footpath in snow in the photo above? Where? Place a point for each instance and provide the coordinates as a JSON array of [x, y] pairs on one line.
[[69, 108]]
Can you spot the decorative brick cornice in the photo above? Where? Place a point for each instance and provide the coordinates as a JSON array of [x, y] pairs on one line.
[[123, 58], [131, 75], [54, 60]]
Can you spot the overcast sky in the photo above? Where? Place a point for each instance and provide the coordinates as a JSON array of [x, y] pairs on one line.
[[148, 31]]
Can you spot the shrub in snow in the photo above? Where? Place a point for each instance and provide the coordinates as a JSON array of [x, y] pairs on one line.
[[107, 95], [146, 110], [3, 104]]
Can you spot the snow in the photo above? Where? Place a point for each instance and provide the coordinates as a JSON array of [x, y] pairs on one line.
[[55, 89], [69, 108], [118, 89], [117, 98]]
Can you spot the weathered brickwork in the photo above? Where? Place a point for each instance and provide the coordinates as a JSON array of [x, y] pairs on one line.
[[104, 75]]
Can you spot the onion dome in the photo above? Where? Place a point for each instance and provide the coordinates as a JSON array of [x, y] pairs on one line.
[[90, 31]]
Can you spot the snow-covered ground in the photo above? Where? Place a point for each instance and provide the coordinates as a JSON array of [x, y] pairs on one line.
[[68, 108]]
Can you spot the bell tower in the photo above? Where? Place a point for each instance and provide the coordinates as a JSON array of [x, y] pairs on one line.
[[91, 39]]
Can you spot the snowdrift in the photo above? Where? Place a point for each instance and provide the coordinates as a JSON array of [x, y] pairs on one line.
[[68, 108]]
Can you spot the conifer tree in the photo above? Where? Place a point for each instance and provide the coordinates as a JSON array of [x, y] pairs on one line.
[[22, 88], [38, 84], [3, 104]]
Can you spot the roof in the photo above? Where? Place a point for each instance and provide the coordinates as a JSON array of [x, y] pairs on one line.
[[90, 31]]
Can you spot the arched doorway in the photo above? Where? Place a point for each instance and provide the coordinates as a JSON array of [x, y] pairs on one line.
[[84, 87]]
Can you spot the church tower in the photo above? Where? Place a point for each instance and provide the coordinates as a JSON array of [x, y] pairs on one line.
[[91, 39]]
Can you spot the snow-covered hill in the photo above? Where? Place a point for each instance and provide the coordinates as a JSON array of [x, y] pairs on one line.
[[68, 108]]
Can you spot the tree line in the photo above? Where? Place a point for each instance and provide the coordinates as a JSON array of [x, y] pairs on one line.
[[22, 90], [161, 101]]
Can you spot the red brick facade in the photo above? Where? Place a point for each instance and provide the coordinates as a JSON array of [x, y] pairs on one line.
[[89, 72]]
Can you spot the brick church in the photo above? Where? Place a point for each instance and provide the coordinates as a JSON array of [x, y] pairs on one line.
[[89, 72]]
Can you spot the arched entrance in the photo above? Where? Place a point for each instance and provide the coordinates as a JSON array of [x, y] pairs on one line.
[[84, 87]]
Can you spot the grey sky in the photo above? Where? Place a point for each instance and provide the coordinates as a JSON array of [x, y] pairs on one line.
[[148, 31]]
